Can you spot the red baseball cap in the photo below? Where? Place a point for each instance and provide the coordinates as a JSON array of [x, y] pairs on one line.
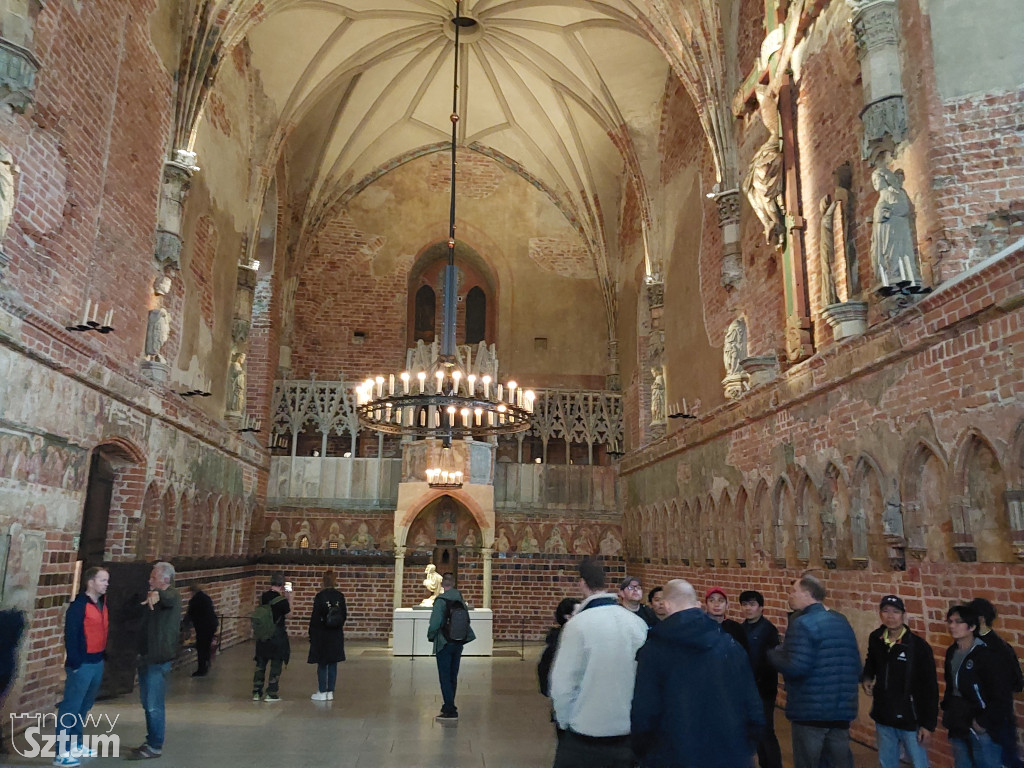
[[712, 591]]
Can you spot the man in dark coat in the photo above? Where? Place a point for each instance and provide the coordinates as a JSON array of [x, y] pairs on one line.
[[821, 665], [1007, 737], [695, 704], [327, 636], [277, 650], [716, 603], [899, 675], [204, 620], [762, 636], [12, 626], [448, 655]]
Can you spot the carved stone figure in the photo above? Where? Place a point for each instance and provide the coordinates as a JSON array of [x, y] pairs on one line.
[[735, 347], [305, 534], [158, 330], [236, 401], [658, 395], [362, 538], [827, 250], [555, 545], [610, 544], [529, 543], [764, 183], [421, 541], [161, 285], [7, 171], [470, 539], [501, 542], [276, 538], [892, 243], [432, 582]]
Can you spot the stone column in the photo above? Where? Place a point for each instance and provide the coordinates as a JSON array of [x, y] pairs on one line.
[[876, 27], [400, 576], [613, 380], [486, 553], [173, 192], [728, 203]]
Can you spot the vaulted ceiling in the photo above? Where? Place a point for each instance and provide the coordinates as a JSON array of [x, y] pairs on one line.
[[569, 92]]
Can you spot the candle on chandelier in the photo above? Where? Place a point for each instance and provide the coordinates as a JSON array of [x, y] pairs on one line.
[[530, 396], [85, 315], [391, 384], [512, 393], [422, 376], [440, 381], [487, 387], [501, 391], [465, 417], [478, 412], [456, 378], [405, 382], [380, 386], [471, 384]]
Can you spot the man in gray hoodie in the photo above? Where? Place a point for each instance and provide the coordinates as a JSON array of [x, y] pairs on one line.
[[448, 653]]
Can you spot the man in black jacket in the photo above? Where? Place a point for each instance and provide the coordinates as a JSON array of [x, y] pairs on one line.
[[1007, 738], [277, 650], [204, 620], [762, 636], [899, 673]]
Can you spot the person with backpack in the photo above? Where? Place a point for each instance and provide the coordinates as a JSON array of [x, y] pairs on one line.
[[449, 630], [271, 638], [326, 636]]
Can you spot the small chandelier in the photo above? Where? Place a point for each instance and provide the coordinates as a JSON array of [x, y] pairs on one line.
[[446, 399], [444, 475]]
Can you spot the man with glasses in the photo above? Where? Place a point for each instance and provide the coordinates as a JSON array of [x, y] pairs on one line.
[[631, 592]]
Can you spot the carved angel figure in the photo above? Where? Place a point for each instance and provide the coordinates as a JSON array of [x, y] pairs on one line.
[[764, 183]]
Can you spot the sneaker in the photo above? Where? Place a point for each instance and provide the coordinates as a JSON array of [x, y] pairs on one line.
[[66, 759], [330, 695], [256, 695], [448, 715], [271, 697], [320, 696], [84, 752], [145, 752]]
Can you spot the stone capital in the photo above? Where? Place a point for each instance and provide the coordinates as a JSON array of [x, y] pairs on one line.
[[656, 294], [728, 204], [875, 24]]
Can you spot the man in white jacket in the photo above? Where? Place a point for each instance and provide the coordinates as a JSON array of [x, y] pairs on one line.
[[592, 677]]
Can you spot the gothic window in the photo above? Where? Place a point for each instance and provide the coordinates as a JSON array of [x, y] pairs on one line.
[[476, 315], [426, 304]]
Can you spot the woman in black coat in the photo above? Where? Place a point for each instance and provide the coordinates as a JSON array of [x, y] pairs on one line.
[[326, 637]]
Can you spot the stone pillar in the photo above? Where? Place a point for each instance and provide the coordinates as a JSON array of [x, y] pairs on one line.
[[876, 27], [486, 553], [613, 380], [173, 192], [728, 203], [400, 576]]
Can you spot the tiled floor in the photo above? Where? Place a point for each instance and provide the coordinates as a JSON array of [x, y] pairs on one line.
[[383, 716]]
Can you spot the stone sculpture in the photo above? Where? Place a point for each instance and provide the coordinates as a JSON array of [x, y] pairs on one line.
[[658, 414], [8, 169], [362, 538], [236, 400], [610, 545], [583, 544], [432, 581], [735, 347], [529, 543], [892, 243], [158, 330], [827, 250], [470, 539], [764, 183], [501, 542], [276, 538]]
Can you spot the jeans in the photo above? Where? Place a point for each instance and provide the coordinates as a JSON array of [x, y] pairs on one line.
[[152, 687], [326, 677], [978, 750], [889, 740], [769, 754], [577, 751], [80, 691], [1007, 738], [448, 659], [815, 747], [261, 673]]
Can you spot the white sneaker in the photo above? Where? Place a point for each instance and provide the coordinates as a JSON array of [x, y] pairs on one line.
[[330, 695], [320, 696], [67, 760], [84, 752]]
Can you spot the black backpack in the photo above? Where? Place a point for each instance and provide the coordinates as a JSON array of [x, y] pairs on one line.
[[456, 622], [334, 618]]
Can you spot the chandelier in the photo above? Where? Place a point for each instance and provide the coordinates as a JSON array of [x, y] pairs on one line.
[[445, 399]]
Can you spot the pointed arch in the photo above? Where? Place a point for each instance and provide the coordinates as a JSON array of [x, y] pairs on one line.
[[980, 521], [835, 518], [147, 532], [743, 545], [784, 521], [924, 489], [763, 531], [807, 523], [868, 502]]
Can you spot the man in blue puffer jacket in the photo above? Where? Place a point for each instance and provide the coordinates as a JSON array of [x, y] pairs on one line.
[[820, 663]]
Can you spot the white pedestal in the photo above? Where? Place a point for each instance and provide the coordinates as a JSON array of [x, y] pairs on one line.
[[409, 627]]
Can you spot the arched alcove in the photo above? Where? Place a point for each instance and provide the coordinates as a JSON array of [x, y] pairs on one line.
[[868, 504], [784, 522], [835, 519], [982, 522], [477, 287], [762, 526], [744, 545]]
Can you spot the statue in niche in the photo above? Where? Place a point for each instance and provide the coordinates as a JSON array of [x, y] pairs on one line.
[[735, 347], [892, 516], [470, 539], [829, 550], [529, 544], [8, 169], [827, 249], [583, 544], [555, 545], [446, 529], [362, 539], [158, 330], [764, 183], [893, 254], [432, 581], [335, 538], [236, 376], [276, 538], [610, 545], [658, 395], [501, 542]]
